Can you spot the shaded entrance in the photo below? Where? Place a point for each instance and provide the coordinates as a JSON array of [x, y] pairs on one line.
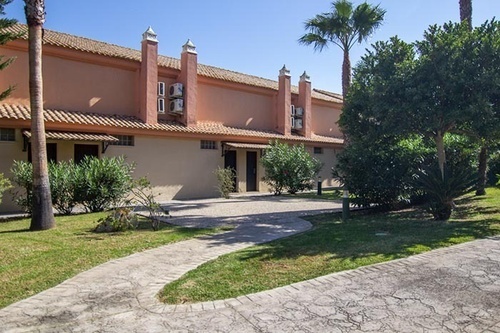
[[230, 162], [85, 150], [251, 171]]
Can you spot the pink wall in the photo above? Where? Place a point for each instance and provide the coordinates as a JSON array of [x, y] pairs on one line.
[[73, 85], [324, 120], [235, 107]]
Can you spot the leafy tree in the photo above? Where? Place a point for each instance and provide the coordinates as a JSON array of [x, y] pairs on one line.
[[6, 36], [42, 216], [426, 84], [344, 26], [4, 185], [289, 168]]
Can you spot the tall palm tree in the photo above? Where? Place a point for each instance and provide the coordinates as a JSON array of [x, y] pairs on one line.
[[344, 26], [466, 11], [42, 215], [466, 15]]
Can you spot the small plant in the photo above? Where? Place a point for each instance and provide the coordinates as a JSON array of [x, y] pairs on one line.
[[142, 193], [119, 219], [101, 183], [289, 168], [22, 172], [442, 191], [225, 181], [4, 185]]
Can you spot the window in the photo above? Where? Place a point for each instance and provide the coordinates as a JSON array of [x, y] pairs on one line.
[[207, 144], [161, 89], [318, 150], [7, 134], [123, 140], [161, 105]]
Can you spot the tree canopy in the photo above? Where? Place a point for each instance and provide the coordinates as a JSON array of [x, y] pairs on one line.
[[5, 36]]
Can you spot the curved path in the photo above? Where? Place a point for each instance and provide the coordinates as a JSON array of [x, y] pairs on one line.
[[456, 289]]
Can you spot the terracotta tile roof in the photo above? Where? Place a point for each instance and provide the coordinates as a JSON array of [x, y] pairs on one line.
[[21, 112], [338, 97], [75, 136], [246, 145], [110, 50]]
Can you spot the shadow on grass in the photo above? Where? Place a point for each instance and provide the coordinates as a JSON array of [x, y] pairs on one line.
[[387, 235]]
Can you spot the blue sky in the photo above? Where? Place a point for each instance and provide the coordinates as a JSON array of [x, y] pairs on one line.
[[254, 37]]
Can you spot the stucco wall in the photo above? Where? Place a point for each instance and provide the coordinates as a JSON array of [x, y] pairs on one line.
[[329, 159], [73, 85], [235, 107], [179, 169], [10, 151], [324, 120]]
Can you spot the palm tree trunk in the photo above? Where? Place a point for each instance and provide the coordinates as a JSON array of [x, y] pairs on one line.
[[42, 214], [466, 11], [482, 171], [346, 74], [441, 154]]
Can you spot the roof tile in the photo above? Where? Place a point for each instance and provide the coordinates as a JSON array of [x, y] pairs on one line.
[[110, 50], [21, 112]]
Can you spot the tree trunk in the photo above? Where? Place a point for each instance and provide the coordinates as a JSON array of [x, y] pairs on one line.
[[482, 171], [42, 214], [440, 152], [346, 74], [466, 11]]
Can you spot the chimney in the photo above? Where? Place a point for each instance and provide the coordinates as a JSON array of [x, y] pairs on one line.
[[283, 122], [189, 79], [305, 103], [149, 78]]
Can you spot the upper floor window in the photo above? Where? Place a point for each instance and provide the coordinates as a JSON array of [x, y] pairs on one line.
[[318, 150], [207, 144], [123, 140], [7, 134]]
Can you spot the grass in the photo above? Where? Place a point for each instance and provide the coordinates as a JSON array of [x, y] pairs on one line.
[[333, 246], [31, 262]]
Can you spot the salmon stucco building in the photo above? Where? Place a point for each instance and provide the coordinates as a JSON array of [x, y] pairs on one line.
[[178, 120]]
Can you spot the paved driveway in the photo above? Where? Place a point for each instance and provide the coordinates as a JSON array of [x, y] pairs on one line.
[[448, 290]]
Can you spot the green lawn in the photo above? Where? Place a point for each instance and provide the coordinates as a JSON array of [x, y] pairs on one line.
[[34, 261], [334, 246]]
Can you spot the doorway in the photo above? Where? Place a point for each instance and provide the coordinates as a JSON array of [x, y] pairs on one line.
[[230, 162], [85, 150], [251, 171]]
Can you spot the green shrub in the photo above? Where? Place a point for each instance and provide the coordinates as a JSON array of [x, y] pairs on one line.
[[225, 181], [4, 185], [102, 183], [62, 177], [494, 168], [119, 219], [441, 192], [22, 172], [289, 168]]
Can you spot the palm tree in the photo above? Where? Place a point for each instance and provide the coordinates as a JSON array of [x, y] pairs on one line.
[[42, 215], [466, 15], [466, 11], [344, 26]]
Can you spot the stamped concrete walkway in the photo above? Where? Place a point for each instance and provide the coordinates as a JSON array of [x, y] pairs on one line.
[[456, 289]]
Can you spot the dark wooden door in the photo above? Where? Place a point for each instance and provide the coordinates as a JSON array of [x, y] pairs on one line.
[[251, 171], [85, 150], [230, 162]]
